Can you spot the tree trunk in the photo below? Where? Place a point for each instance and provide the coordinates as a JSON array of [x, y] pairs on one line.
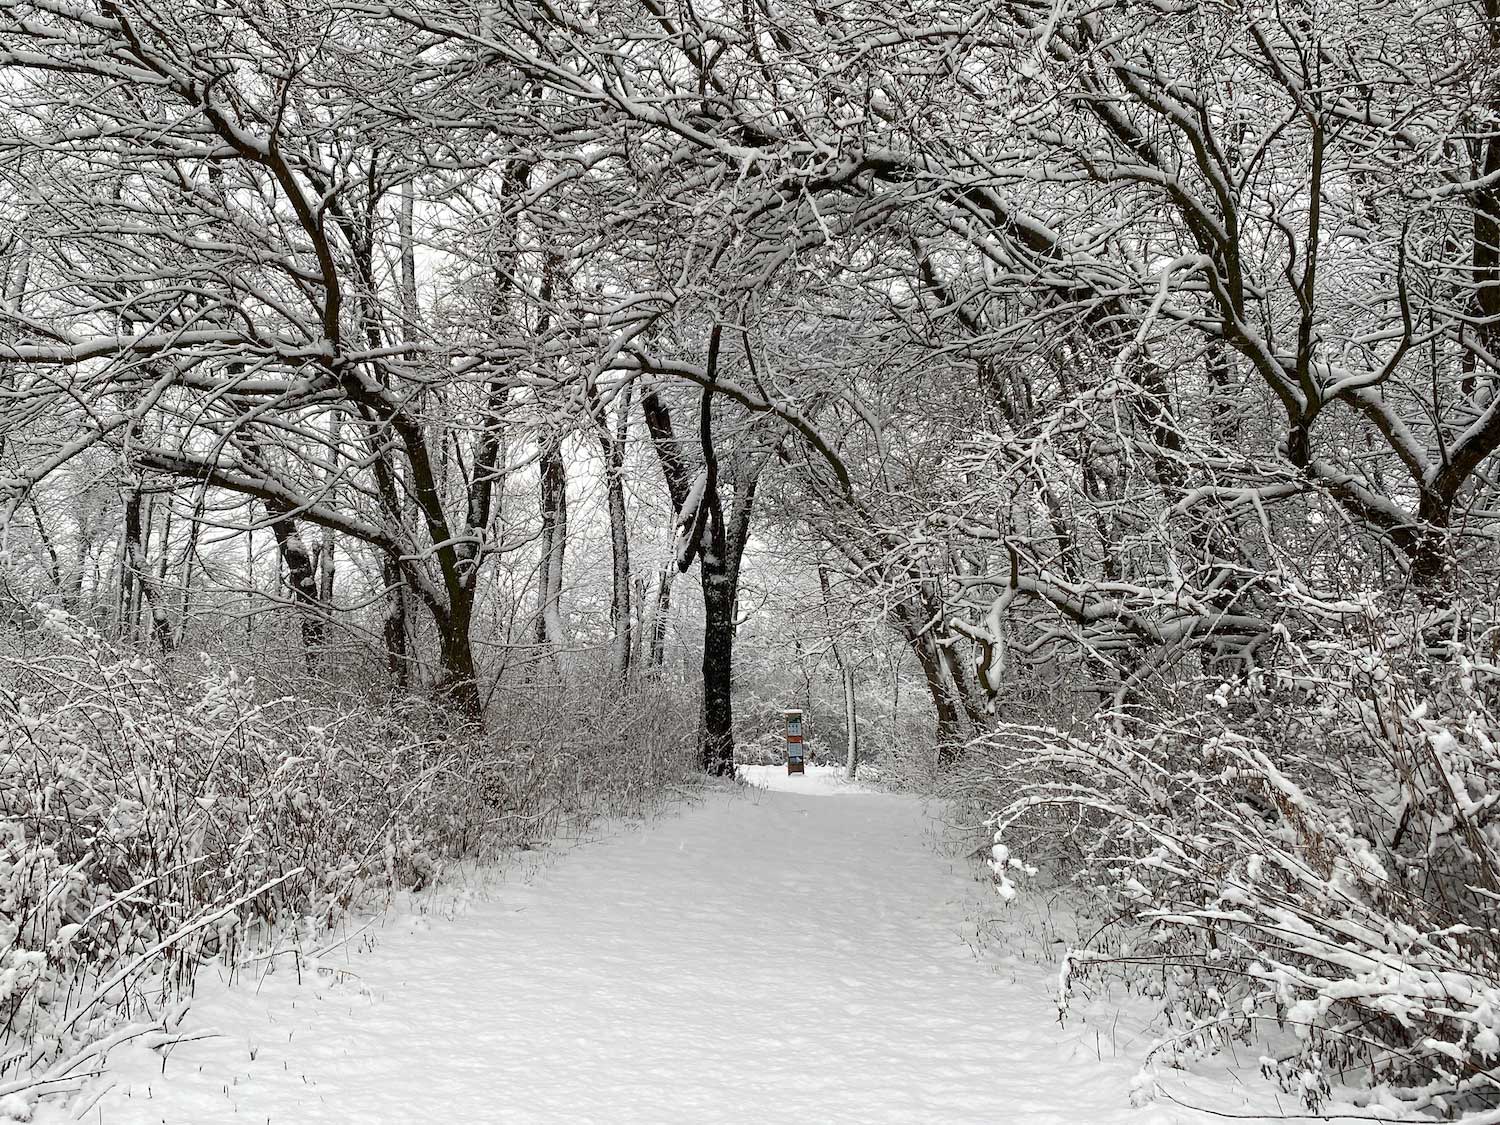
[[657, 622], [637, 623], [189, 557], [718, 542], [957, 677], [459, 684], [619, 540], [619, 604], [327, 571], [846, 676], [716, 733], [851, 723], [554, 541], [302, 578], [397, 656], [139, 567], [952, 718], [719, 569], [54, 563], [953, 724]]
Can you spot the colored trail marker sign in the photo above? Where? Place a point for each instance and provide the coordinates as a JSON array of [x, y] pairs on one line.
[[794, 758]]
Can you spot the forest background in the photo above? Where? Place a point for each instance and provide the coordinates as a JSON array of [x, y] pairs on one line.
[[1086, 408]]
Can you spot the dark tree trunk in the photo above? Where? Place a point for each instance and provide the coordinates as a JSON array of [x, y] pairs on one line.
[[619, 603], [954, 725], [957, 677], [554, 541], [302, 577], [460, 680], [717, 541], [716, 736], [659, 621], [953, 729], [1429, 551], [139, 568], [397, 659], [619, 540], [719, 569]]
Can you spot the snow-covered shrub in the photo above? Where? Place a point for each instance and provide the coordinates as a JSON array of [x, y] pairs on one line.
[[563, 752], [152, 818], [1307, 857], [769, 749]]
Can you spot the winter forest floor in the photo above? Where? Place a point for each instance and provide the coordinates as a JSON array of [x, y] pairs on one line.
[[801, 951]]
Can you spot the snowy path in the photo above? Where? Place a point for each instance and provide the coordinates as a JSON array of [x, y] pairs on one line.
[[768, 957]]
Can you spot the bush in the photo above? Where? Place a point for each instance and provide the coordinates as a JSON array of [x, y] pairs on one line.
[[152, 819], [767, 750], [1313, 847]]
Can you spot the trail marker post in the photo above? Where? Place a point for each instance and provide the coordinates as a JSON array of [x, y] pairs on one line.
[[794, 756]]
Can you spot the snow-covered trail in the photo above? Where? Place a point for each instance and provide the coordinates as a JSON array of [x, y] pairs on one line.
[[766, 956]]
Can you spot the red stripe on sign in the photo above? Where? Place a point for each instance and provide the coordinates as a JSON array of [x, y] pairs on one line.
[[794, 738]]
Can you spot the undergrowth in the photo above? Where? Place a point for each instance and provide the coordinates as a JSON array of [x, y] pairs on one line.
[[1305, 858], [155, 818]]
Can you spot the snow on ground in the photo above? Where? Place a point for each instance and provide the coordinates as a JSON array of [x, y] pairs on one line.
[[818, 781], [768, 954]]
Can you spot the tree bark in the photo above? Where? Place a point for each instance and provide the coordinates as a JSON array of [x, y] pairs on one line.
[[397, 656], [327, 571], [554, 541], [953, 725], [139, 567], [718, 542], [851, 723], [302, 579], [460, 681], [659, 619], [716, 736], [619, 538], [719, 570], [846, 677]]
